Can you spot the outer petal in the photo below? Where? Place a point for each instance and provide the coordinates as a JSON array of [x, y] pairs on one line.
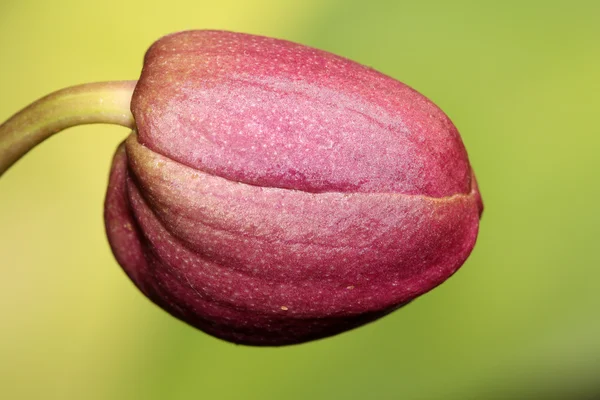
[[273, 113]]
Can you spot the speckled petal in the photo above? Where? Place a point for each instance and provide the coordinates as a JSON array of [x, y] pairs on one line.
[[273, 113]]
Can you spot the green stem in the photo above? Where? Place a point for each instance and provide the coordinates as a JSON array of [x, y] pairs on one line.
[[90, 103]]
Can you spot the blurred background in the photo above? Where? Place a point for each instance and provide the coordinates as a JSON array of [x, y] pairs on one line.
[[520, 320]]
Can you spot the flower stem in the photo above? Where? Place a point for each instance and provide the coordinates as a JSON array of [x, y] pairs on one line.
[[90, 103]]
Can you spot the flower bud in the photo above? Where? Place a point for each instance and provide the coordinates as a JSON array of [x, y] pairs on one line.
[[273, 193]]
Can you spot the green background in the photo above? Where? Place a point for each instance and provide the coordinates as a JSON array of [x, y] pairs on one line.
[[521, 319]]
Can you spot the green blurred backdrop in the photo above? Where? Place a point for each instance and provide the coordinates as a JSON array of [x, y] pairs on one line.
[[521, 320]]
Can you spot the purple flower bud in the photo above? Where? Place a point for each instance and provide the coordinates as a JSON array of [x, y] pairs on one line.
[[273, 193]]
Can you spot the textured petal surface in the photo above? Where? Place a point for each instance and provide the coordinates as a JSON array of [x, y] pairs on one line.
[[274, 113]]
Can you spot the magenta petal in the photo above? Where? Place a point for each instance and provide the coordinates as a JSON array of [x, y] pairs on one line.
[[269, 112]]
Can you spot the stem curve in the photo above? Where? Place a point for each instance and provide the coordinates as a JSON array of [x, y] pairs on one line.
[[90, 103]]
